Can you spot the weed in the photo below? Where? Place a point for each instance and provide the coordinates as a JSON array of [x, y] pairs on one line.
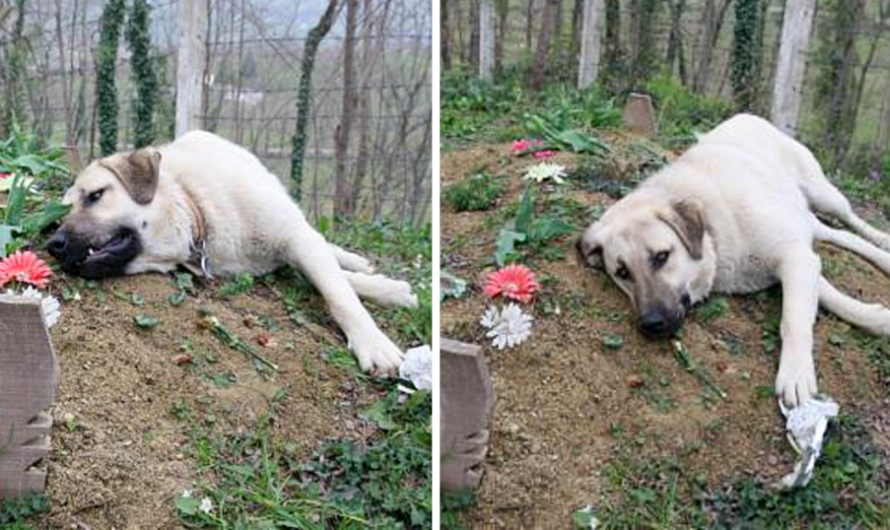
[[452, 507], [382, 482], [146, 321], [238, 285], [849, 490], [681, 113], [15, 513], [477, 192], [528, 229], [712, 309]]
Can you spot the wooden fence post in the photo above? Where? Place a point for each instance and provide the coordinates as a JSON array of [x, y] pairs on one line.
[[190, 68], [487, 33], [591, 42], [796, 28], [29, 377]]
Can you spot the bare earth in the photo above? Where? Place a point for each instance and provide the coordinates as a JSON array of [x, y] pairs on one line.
[[120, 456]]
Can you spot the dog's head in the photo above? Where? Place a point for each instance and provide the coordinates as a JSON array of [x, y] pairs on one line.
[[111, 207], [658, 252]]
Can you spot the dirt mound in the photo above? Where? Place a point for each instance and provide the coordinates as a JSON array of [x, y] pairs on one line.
[[120, 455], [587, 386]]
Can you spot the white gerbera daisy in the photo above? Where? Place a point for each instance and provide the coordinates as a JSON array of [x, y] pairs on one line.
[[206, 505], [508, 327], [544, 171]]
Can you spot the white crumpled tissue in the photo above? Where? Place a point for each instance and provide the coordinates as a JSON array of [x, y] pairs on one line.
[[418, 367], [806, 426]]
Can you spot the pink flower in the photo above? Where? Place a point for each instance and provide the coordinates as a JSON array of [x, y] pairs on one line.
[[544, 154], [520, 146], [25, 267], [516, 282], [4, 176]]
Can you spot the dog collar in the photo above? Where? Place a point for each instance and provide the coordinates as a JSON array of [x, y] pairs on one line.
[[198, 263]]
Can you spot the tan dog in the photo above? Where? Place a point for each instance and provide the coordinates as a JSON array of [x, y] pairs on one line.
[[208, 204], [736, 214]]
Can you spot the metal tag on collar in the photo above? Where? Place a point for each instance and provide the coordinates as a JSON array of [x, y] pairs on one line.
[[205, 264]]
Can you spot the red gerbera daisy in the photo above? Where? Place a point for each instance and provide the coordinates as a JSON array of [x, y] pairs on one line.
[[516, 282], [24, 267]]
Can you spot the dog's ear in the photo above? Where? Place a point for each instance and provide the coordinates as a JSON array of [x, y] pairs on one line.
[[590, 250], [139, 173], [685, 218]]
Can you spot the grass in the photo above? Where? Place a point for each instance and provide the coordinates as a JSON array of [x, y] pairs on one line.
[[657, 491], [19, 513], [474, 193], [382, 482]]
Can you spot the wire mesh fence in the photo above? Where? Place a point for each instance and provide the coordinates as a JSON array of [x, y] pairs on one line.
[[251, 75]]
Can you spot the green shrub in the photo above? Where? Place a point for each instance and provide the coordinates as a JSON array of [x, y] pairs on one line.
[[681, 113], [477, 192], [470, 104]]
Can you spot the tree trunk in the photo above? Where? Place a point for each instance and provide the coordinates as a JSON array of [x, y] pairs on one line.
[[745, 73], [445, 34], [304, 96], [795, 40], [591, 42], [475, 23], [529, 23], [342, 206], [369, 64], [503, 12], [548, 26], [614, 66], [106, 65], [675, 40], [712, 21]]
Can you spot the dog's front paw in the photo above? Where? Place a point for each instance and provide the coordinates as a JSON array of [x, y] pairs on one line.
[[377, 354], [402, 295], [796, 381]]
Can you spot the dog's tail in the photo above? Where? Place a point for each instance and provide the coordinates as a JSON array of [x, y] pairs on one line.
[[870, 317]]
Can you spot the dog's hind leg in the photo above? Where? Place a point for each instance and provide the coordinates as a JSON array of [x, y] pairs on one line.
[[853, 243], [307, 250], [823, 197], [870, 317], [382, 290], [349, 261]]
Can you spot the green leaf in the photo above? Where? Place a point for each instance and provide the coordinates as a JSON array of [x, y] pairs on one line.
[[177, 298], [613, 341], [506, 244], [526, 211], [549, 228], [40, 221], [187, 505], [380, 416], [146, 321], [6, 238]]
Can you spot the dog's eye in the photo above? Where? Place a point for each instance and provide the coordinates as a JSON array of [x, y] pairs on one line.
[[659, 259], [622, 273], [95, 197]]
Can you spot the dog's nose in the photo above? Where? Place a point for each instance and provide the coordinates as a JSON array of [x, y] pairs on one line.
[[57, 244], [653, 323]]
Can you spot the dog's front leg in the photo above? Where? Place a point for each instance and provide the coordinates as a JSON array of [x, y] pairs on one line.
[[799, 272], [308, 251]]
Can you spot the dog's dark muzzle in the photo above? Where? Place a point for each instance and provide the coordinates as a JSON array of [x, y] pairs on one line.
[[78, 256]]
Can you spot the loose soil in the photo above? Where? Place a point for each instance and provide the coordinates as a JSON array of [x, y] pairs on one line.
[[119, 454]]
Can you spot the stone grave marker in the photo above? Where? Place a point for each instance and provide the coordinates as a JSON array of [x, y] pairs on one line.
[[29, 377], [467, 404]]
